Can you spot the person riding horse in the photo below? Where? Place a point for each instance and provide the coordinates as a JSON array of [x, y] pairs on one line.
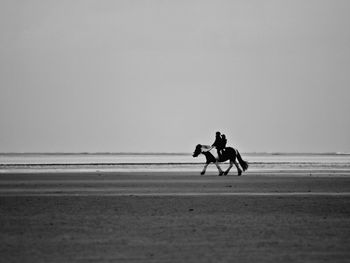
[[223, 143], [224, 154], [219, 143], [230, 154]]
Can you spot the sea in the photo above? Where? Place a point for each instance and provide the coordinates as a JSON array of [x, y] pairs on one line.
[[328, 163]]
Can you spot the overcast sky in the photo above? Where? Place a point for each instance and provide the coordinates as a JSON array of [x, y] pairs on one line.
[[162, 76]]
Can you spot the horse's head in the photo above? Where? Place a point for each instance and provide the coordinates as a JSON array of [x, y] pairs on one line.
[[197, 151]]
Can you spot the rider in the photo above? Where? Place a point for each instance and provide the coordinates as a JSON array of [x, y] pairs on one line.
[[223, 143], [219, 143]]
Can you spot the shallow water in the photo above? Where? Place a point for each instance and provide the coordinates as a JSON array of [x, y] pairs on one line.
[[115, 162]]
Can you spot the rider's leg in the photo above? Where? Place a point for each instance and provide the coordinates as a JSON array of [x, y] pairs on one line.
[[219, 155]]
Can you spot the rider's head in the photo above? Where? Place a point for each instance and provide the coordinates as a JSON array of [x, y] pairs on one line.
[[223, 136], [218, 133]]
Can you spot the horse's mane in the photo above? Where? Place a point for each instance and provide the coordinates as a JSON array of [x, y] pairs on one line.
[[206, 147]]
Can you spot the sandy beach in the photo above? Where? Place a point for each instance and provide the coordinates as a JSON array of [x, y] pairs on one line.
[[175, 217], [111, 110]]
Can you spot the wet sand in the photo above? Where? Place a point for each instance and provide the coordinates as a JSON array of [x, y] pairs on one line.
[[175, 217]]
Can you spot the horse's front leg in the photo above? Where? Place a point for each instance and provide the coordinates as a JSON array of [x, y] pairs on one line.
[[204, 168], [219, 168]]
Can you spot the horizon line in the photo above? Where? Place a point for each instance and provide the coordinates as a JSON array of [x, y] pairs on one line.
[[165, 153]]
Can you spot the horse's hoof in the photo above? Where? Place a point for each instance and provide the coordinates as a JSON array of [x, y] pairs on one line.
[[221, 173], [202, 173], [225, 173], [239, 173]]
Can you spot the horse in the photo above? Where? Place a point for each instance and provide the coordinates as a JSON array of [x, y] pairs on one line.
[[228, 154]]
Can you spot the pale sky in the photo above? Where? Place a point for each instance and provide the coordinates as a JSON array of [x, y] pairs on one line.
[[163, 76]]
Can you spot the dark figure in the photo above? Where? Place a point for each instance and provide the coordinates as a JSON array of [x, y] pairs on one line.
[[218, 143], [223, 144], [229, 154]]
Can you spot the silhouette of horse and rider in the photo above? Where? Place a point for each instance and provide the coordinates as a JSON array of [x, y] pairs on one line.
[[224, 154]]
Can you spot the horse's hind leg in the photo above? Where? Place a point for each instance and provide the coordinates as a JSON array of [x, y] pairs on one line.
[[238, 169], [229, 168], [219, 168]]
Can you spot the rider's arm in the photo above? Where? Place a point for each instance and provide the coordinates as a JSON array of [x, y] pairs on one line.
[[207, 148], [211, 147]]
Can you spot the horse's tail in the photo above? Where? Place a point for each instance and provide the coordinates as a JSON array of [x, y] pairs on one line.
[[243, 163]]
